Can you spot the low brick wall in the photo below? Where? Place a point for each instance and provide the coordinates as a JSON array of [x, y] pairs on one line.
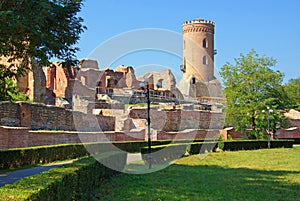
[[188, 134], [233, 133], [16, 137], [288, 133], [13, 137]]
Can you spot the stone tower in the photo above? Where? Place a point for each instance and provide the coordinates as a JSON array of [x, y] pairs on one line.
[[198, 60], [198, 50]]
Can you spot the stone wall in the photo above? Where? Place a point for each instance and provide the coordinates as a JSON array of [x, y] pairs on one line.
[[44, 117]]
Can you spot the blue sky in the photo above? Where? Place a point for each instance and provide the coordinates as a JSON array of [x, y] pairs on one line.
[[272, 28]]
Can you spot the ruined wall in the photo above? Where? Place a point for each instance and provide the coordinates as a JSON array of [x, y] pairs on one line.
[[9, 114], [165, 79], [40, 117], [176, 120]]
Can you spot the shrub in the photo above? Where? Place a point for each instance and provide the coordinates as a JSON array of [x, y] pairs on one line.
[[18, 157], [69, 182], [164, 153], [202, 147], [13, 158], [255, 144]]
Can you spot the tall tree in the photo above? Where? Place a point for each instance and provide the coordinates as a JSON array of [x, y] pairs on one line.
[[293, 90], [38, 30], [251, 86]]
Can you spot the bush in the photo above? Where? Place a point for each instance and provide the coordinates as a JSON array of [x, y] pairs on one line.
[[13, 158], [164, 153], [69, 182], [202, 147], [18, 157], [255, 144]]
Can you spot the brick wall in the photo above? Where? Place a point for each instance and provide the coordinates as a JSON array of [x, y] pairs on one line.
[[9, 114], [288, 133], [13, 137], [175, 120], [233, 133], [42, 117], [17, 137], [188, 134]]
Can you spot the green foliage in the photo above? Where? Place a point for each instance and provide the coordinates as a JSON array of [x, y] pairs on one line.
[[203, 147], [251, 86], [255, 144], [293, 91], [19, 157], [8, 88], [51, 29], [13, 158], [69, 182], [164, 153]]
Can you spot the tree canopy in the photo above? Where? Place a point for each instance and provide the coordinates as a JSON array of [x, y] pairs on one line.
[[251, 87], [293, 91], [38, 30]]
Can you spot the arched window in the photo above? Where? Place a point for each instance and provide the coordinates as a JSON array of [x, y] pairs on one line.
[[204, 60], [204, 43]]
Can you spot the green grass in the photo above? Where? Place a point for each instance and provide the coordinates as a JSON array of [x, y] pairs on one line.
[[266, 174]]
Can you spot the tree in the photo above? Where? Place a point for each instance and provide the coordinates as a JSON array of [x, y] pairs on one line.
[[38, 30], [250, 87], [292, 89]]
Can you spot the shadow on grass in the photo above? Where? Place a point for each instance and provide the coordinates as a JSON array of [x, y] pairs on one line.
[[180, 182]]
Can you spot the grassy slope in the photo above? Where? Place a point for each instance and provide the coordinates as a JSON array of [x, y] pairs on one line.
[[244, 175]]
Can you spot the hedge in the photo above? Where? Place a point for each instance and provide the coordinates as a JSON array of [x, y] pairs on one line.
[[12, 158], [135, 146], [164, 153], [201, 148], [18, 157], [69, 182], [254, 144]]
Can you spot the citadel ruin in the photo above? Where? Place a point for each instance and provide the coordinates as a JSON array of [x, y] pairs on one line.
[[86, 104]]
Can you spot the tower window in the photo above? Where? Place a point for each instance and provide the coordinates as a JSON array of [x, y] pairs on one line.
[[184, 44], [204, 43], [204, 60], [193, 80]]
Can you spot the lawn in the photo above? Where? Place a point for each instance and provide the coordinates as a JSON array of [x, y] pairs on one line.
[[266, 174]]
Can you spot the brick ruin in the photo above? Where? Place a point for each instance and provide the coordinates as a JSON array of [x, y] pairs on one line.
[[93, 101]]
